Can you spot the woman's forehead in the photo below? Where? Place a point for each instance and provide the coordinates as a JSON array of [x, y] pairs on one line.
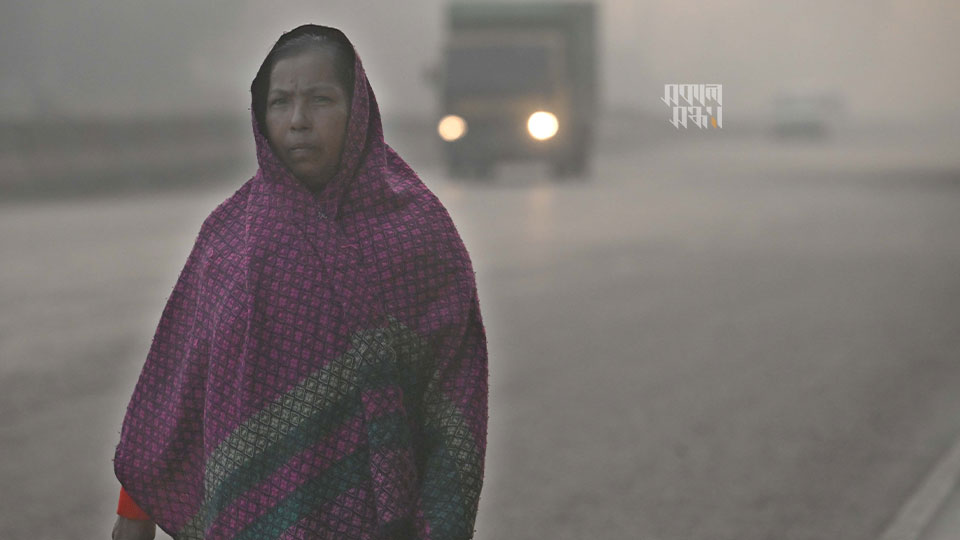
[[312, 68]]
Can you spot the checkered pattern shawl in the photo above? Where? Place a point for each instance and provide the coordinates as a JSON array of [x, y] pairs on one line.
[[320, 368]]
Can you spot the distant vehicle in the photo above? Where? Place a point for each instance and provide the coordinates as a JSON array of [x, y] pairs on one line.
[[805, 113], [518, 81]]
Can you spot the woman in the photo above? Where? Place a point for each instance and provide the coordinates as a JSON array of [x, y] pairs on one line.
[[320, 369]]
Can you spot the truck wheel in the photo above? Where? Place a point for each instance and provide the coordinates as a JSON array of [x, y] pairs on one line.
[[457, 169], [570, 167], [472, 169], [483, 169]]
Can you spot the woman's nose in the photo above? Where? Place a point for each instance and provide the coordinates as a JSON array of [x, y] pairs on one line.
[[301, 117]]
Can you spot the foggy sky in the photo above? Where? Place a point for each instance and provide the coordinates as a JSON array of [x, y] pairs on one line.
[[888, 58]]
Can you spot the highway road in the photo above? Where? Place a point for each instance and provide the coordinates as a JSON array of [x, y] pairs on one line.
[[710, 339]]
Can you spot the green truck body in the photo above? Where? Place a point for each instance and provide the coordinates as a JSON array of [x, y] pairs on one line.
[[504, 62]]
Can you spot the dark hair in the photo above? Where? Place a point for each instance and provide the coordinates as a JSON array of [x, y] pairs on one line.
[[294, 42]]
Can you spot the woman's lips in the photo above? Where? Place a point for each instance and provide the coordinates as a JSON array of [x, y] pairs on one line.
[[303, 150]]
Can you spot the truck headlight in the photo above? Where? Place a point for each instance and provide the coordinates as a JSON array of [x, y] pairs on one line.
[[542, 125], [452, 127]]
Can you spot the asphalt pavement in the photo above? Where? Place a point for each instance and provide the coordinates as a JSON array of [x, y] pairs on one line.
[[726, 339]]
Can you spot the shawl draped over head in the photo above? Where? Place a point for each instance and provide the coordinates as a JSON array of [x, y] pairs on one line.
[[320, 368]]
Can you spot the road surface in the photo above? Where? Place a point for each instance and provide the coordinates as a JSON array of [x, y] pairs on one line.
[[709, 340]]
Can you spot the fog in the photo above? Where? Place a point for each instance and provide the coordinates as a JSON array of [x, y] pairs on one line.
[[741, 333], [888, 58]]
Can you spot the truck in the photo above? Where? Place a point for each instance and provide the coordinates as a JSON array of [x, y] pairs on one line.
[[518, 81]]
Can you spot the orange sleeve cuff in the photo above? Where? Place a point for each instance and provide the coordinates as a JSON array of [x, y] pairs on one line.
[[129, 509]]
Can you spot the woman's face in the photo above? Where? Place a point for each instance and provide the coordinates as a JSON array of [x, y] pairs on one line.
[[306, 114]]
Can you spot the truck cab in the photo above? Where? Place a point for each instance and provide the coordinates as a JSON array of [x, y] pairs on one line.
[[518, 83]]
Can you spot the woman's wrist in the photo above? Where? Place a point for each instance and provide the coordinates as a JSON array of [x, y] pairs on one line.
[[133, 529]]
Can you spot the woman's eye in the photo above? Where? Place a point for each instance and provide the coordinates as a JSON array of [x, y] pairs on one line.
[[321, 99], [278, 101]]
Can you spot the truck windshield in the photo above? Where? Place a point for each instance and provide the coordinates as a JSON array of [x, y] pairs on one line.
[[500, 69]]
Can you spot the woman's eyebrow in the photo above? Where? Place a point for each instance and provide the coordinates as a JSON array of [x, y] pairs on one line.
[[314, 88]]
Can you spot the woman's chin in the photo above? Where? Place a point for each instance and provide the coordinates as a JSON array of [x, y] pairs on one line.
[[312, 179]]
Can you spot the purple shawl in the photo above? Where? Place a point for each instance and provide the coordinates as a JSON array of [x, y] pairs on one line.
[[320, 368]]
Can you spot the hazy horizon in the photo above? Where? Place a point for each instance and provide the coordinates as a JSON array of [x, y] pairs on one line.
[[134, 58]]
